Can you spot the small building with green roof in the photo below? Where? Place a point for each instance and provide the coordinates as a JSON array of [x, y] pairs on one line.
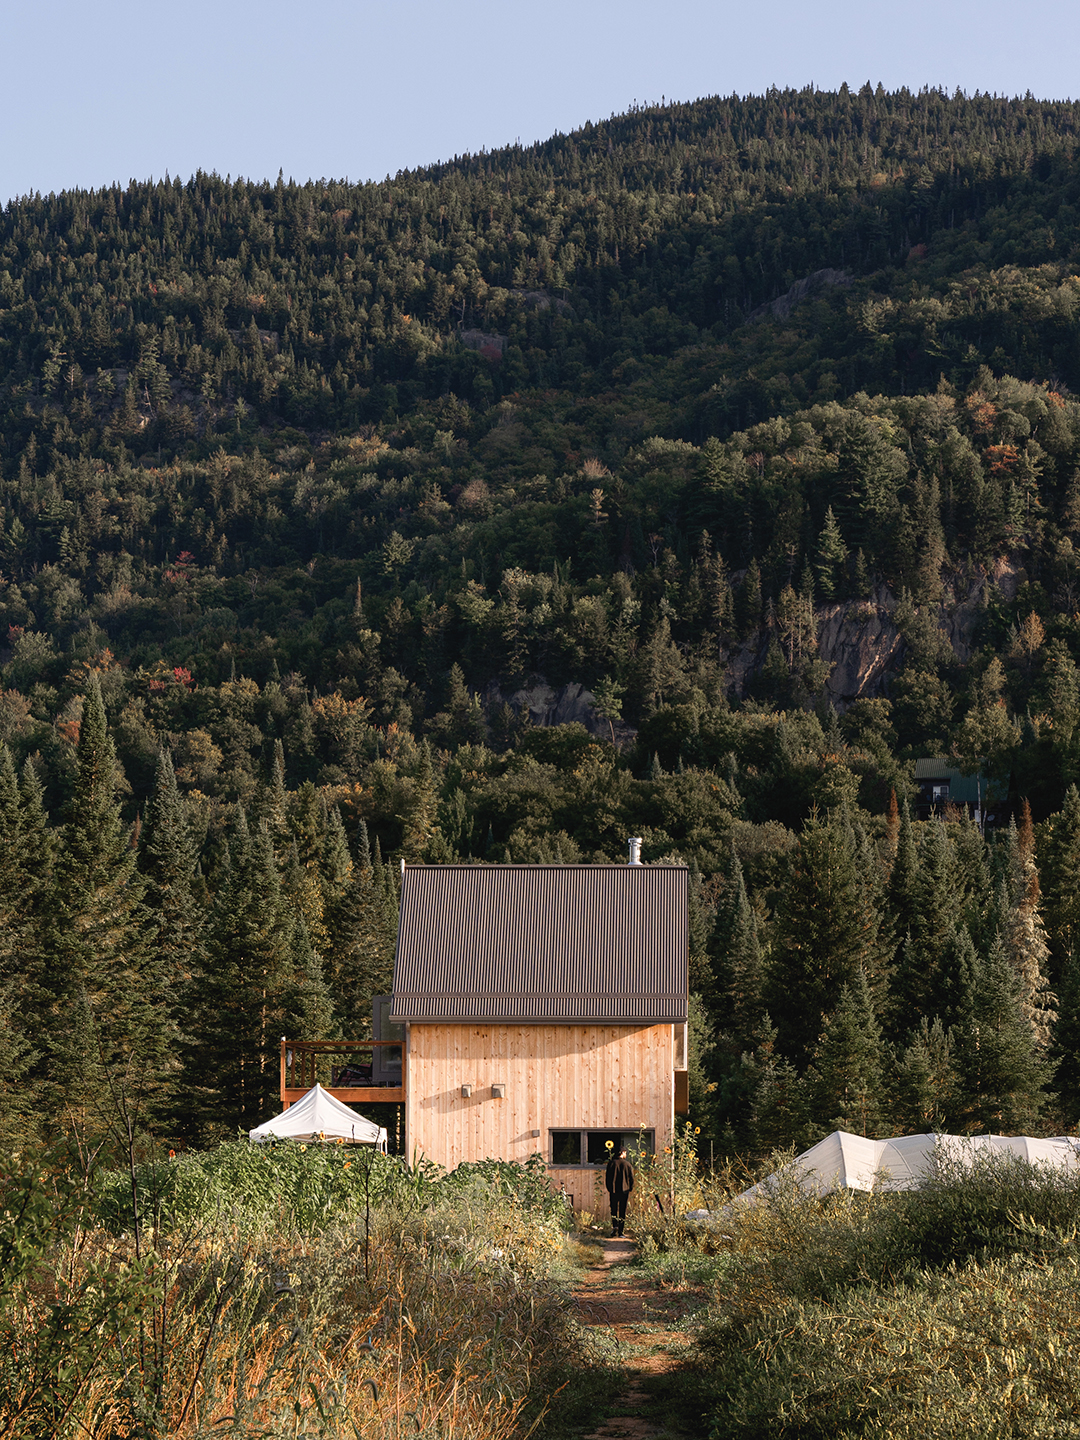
[[941, 784]]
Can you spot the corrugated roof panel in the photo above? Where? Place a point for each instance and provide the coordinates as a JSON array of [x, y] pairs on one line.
[[932, 768], [543, 942]]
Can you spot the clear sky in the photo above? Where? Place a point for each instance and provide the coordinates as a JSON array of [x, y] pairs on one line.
[[361, 88]]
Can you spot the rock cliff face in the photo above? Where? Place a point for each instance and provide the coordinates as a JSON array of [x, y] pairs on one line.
[[859, 641], [862, 644], [546, 705]]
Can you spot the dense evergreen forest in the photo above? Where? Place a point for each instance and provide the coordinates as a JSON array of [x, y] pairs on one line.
[[740, 437]]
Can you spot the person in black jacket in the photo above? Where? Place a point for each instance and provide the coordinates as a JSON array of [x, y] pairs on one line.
[[619, 1179]]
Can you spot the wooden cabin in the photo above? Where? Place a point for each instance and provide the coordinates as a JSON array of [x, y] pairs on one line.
[[944, 787], [544, 1010]]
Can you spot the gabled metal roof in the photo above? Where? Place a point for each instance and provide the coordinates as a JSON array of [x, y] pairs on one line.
[[543, 943]]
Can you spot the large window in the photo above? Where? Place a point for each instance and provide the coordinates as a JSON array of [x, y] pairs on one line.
[[596, 1147]]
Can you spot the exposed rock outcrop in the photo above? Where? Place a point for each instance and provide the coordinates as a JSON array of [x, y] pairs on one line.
[[542, 300], [782, 306], [546, 705], [491, 347], [861, 644]]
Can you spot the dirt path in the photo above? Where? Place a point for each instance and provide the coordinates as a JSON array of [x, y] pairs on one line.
[[647, 1323]]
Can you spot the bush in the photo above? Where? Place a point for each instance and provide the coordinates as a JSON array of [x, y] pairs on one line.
[[304, 1186]]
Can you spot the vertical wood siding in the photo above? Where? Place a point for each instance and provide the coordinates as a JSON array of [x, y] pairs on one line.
[[557, 1077]]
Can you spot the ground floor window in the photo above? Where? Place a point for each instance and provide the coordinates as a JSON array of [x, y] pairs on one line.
[[596, 1147]]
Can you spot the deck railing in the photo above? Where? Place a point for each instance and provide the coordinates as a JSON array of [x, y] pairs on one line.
[[355, 1071]]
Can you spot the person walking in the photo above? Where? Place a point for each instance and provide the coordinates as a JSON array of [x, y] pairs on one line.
[[619, 1179]]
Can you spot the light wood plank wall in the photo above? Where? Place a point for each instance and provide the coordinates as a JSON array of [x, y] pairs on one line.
[[557, 1077]]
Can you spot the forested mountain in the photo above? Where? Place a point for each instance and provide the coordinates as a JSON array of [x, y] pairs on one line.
[[742, 431]]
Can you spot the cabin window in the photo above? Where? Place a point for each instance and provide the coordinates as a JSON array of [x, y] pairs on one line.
[[592, 1147], [566, 1147]]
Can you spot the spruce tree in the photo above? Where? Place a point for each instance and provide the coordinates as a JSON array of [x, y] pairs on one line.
[[1061, 892], [24, 871], [97, 935], [846, 1080], [780, 1102], [302, 887], [902, 893], [242, 996], [1065, 1051], [420, 818], [929, 976], [308, 1008], [743, 965], [702, 914], [175, 921], [1024, 934], [335, 862], [831, 558], [1001, 1076], [974, 883], [827, 933], [922, 1087]]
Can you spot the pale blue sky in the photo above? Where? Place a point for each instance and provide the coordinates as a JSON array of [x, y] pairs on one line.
[[359, 88]]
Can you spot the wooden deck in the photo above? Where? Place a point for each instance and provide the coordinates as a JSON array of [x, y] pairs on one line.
[[339, 1066]]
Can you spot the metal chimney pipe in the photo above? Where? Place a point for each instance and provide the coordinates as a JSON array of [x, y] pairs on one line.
[[635, 850]]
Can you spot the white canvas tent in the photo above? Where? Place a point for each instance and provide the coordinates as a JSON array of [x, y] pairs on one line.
[[850, 1161], [318, 1113]]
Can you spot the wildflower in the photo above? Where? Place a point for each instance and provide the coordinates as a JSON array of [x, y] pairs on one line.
[[346, 1165], [172, 1154], [697, 1129], [303, 1147], [609, 1144]]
